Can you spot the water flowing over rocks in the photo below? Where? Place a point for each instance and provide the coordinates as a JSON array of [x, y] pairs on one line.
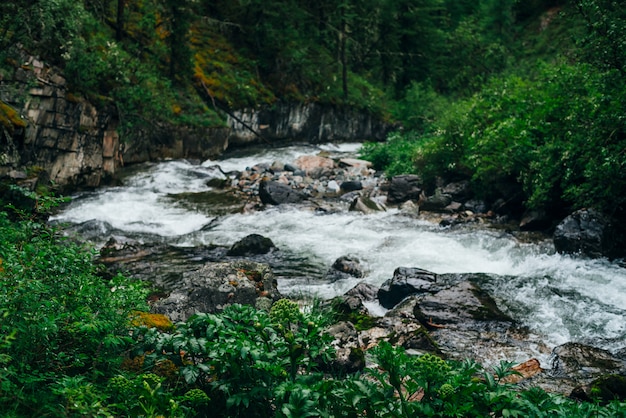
[[461, 320], [454, 315]]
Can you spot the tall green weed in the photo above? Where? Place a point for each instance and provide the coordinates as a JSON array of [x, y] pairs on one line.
[[59, 318]]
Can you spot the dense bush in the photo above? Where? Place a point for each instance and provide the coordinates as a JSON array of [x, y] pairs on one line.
[[63, 327], [560, 135]]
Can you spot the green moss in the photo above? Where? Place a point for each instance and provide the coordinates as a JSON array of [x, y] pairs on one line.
[[360, 320], [9, 118], [152, 320]]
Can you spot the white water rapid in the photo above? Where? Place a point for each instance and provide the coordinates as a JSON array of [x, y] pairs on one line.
[[564, 298]]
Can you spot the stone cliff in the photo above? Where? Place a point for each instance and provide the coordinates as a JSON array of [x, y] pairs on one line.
[[67, 136]]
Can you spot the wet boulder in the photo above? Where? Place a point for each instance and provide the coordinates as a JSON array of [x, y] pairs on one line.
[[464, 321], [403, 188], [461, 304], [583, 362], [364, 291], [406, 281], [585, 372], [439, 202], [351, 186], [365, 205], [345, 267], [251, 245], [214, 286], [588, 232], [351, 308], [275, 193]]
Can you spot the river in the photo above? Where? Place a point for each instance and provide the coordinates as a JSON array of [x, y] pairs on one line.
[[561, 297]]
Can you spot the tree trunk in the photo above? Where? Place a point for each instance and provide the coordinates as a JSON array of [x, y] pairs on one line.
[[119, 27], [342, 57]]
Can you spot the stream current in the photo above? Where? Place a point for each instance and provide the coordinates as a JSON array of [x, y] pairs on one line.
[[560, 297]]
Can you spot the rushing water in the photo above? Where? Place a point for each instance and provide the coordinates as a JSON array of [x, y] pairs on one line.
[[562, 297]]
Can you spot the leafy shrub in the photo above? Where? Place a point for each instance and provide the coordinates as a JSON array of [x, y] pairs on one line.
[[559, 136], [243, 357], [60, 319], [396, 155]]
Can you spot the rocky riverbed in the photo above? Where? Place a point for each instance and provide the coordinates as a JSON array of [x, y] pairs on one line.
[[454, 314]]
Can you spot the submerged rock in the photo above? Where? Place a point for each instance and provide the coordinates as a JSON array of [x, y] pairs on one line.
[[345, 267]]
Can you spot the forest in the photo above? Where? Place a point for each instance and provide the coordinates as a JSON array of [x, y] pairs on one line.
[[528, 95], [465, 82]]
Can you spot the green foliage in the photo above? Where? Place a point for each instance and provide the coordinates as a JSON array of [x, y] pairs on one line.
[[395, 156], [243, 357], [562, 133], [147, 395], [60, 319], [26, 204], [604, 43], [41, 26]]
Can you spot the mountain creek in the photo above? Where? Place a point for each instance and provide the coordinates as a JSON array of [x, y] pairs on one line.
[[180, 213]]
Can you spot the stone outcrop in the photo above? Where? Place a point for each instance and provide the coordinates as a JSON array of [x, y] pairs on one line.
[[214, 286], [75, 142], [309, 122], [589, 233]]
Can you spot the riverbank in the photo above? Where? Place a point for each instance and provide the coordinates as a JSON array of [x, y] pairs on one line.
[[175, 226]]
